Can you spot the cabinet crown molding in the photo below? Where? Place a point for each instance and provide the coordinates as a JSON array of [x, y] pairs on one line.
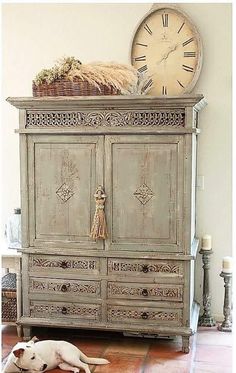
[[123, 102]]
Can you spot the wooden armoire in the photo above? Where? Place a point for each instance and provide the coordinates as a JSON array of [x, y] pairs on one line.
[[142, 151]]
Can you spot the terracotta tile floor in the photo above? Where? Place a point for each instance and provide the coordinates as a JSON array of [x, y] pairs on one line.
[[211, 351]]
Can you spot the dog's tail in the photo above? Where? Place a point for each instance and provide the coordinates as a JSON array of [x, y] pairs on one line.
[[92, 360]]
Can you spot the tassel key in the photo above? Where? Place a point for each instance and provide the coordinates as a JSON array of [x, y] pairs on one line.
[[99, 227]]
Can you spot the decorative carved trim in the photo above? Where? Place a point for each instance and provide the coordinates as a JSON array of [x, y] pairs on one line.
[[64, 264], [161, 292], [67, 287], [106, 118], [158, 267], [116, 313], [143, 194], [66, 310], [64, 192]]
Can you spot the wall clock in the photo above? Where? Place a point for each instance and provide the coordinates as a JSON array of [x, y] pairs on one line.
[[167, 47]]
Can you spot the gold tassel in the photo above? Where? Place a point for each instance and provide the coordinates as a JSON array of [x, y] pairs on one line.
[[99, 227]]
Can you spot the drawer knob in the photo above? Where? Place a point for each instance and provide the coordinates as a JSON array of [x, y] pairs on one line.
[[145, 292], [64, 310], [145, 268], [64, 288], [64, 264], [144, 315]]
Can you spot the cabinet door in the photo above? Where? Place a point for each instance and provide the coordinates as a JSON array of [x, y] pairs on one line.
[[64, 172], [144, 185]]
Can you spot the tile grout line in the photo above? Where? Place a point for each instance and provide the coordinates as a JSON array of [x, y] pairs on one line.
[[194, 348], [211, 345], [101, 355], [145, 359], [130, 354]]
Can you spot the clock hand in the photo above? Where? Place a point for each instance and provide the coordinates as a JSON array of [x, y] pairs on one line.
[[171, 49], [165, 56]]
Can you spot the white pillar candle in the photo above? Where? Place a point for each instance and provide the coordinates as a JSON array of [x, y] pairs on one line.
[[227, 264], [206, 242]]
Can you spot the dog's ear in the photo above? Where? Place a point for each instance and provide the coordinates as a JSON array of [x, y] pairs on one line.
[[18, 353], [33, 340]]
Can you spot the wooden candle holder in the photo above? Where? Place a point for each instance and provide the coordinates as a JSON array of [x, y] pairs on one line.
[[206, 319], [226, 325]]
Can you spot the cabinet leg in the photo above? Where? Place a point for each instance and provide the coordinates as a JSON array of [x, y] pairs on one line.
[[26, 333], [19, 330], [185, 344]]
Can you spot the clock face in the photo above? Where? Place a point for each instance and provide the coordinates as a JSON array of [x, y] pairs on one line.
[[167, 48]]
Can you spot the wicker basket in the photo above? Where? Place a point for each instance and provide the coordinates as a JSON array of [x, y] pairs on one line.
[[9, 304], [78, 87]]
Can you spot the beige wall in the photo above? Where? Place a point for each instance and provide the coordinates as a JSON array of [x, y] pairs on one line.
[[35, 35]]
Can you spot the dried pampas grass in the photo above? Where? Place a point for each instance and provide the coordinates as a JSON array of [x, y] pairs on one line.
[[124, 78]]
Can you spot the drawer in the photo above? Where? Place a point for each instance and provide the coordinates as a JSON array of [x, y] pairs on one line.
[[69, 287], [64, 264], [64, 310], [144, 315], [158, 292], [146, 267]]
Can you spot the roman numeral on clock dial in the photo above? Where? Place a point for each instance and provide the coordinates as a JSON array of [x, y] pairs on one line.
[[140, 58], [142, 69], [189, 54], [181, 85], [187, 42], [142, 45], [165, 20], [187, 68], [147, 28], [164, 90], [181, 27], [148, 84]]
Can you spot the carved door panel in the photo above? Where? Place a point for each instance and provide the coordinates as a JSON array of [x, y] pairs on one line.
[[64, 172], [144, 185]]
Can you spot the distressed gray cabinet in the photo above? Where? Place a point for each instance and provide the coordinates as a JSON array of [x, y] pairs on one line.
[[142, 150]]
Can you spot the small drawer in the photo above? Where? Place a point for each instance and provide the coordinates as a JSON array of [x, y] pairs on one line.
[[68, 288], [158, 292], [64, 264], [56, 310], [144, 315], [145, 267]]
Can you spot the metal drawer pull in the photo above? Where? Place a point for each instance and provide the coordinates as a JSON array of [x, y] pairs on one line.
[[145, 292], [64, 288], [64, 310], [145, 268], [64, 264], [144, 315]]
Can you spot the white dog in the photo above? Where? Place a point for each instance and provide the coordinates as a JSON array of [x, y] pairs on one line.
[[45, 355]]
